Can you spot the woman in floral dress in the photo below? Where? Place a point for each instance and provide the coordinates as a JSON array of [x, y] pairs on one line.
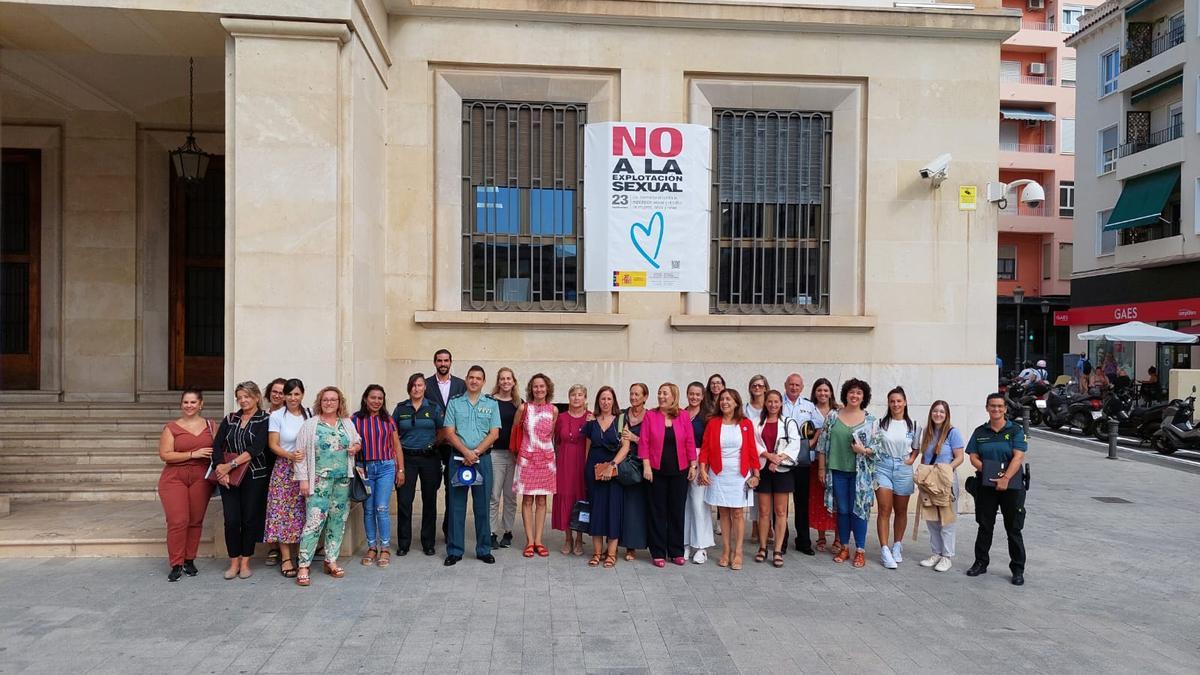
[[535, 475], [285, 504], [569, 443]]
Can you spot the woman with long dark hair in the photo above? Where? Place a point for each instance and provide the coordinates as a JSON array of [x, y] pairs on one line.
[[820, 518], [894, 477], [382, 461], [697, 518], [535, 478], [605, 452], [285, 503]]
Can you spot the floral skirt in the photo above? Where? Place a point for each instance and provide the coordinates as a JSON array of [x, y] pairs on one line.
[[285, 506]]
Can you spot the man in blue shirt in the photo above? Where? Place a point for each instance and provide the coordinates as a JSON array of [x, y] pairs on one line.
[[472, 425], [796, 407], [997, 451]]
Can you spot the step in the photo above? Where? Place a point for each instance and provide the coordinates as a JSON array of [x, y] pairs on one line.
[[71, 476], [54, 426], [59, 456], [74, 442], [88, 410], [27, 491], [97, 529]]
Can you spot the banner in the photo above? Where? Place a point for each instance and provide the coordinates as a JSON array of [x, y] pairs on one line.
[[646, 210]]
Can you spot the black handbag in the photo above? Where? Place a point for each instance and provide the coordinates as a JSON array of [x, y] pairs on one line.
[[629, 472], [581, 516], [359, 490]]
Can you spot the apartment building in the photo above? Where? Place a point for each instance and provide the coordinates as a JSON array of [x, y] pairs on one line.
[[1137, 246], [1037, 142]]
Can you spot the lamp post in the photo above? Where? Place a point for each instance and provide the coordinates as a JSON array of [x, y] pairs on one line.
[[1045, 338], [1018, 298]]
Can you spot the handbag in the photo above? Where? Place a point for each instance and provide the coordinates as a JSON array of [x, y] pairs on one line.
[[236, 476], [629, 472], [803, 458], [581, 516], [360, 491]]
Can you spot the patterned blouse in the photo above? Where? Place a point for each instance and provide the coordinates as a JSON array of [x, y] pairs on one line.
[[252, 438], [864, 465]]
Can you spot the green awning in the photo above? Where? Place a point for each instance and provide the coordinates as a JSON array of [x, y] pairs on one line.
[[1143, 199], [1146, 92], [1138, 6]]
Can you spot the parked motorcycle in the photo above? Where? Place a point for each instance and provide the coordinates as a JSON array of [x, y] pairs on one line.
[[1019, 397], [1178, 430], [1062, 407], [1132, 419]]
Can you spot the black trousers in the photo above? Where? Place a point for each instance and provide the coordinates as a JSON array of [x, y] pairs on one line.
[[1012, 505], [245, 513], [668, 501], [428, 470], [800, 502], [445, 452]]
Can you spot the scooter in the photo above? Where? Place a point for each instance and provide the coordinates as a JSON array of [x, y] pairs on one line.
[[1064, 408], [1178, 430], [1132, 420]]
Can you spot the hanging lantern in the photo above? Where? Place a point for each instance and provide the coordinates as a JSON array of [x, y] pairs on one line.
[[189, 160]]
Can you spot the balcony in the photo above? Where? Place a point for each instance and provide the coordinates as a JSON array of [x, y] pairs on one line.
[[1040, 148], [1038, 25], [1022, 209], [1044, 80], [1143, 47], [1151, 140]]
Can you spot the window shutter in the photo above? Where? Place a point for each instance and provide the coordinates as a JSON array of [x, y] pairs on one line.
[[771, 157], [1067, 142], [1010, 71], [1068, 69]]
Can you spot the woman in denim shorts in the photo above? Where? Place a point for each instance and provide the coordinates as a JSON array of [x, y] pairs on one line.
[[894, 476]]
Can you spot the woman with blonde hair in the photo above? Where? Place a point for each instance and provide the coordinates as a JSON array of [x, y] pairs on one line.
[[668, 452], [329, 442], [941, 443], [243, 432], [503, 506], [571, 456], [535, 476]]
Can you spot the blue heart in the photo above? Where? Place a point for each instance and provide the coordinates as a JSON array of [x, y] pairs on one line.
[[648, 231]]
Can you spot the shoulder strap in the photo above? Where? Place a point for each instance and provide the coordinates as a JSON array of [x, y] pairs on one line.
[[620, 422]]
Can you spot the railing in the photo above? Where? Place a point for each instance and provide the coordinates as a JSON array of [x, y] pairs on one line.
[[1046, 80], [1018, 208], [1137, 52], [1037, 25], [1156, 138], [1041, 148]]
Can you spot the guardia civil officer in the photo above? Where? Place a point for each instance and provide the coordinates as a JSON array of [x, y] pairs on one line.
[[997, 451]]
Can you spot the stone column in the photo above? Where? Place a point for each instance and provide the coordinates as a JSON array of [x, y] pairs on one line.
[[284, 225]]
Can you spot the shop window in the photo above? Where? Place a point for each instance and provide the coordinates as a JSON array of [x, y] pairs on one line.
[[770, 224], [522, 170], [1006, 258]]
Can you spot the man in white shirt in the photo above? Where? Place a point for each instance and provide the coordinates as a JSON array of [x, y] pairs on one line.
[[802, 410], [440, 388]]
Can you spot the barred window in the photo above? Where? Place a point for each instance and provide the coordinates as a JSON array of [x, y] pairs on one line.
[[522, 206], [770, 216]]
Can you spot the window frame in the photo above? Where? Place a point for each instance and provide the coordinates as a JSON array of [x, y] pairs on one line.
[[1000, 274], [1102, 220], [1066, 193], [1107, 166], [1070, 26], [1108, 86]]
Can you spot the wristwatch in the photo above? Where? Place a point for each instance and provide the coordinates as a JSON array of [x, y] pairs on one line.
[[232, 464]]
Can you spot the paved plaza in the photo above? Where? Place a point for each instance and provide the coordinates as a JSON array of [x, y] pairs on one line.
[[1110, 588]]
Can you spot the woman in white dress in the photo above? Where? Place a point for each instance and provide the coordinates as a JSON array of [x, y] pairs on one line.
[[697, 518], [729, 467]]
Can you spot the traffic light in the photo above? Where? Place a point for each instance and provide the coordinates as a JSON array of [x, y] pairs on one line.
[[1021, 332]]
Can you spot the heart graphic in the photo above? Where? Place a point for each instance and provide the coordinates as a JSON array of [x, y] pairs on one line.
[[647, 232]]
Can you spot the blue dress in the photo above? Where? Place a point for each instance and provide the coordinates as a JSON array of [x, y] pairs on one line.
[[606, 497], [634, 525]]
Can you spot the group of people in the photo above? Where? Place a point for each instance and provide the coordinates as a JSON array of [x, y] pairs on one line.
[[638, 477]]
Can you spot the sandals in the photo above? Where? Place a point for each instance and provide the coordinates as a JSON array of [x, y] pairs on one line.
[[369, 558], [273, 557], [610, 561], [842, 556], [837, 547], [333, 570], [736, 564], [761, 555], [723, 562], [595, 560], [385, 558], [860, 559], [630, 555], [529, 551], [821, 546], [303, 579], [290, 573], [542, 551], [578, 548], [777, 561]]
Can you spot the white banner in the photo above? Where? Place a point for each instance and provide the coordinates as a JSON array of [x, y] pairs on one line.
[[646, 210]]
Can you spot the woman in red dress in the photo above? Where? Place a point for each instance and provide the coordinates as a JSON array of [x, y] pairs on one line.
[[571, 457], [819, 518]]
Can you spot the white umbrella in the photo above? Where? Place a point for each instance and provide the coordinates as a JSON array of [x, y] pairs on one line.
[[1136, 331]]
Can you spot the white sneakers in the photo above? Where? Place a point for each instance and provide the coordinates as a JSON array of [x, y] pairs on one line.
[[937, 562], [700, 557], [885, 557], [897, 548]]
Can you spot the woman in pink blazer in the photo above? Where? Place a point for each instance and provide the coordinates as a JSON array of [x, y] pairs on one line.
[[668, 452]]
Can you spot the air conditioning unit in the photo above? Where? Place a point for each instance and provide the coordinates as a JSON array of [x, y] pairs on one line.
[[1037, 69], [1037, 4]]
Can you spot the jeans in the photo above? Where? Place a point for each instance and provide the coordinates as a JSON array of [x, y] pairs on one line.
[[428, 469], [377, 517], [843, 498], [481, 499], [503, 468]]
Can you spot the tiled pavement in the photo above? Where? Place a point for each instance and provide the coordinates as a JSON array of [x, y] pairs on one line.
[[1110, 588]]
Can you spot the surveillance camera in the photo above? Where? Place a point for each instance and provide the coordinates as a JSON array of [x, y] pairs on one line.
[[1033, 195], [937, 169]]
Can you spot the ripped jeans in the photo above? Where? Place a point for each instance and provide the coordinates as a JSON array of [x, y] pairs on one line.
[[377, 519]]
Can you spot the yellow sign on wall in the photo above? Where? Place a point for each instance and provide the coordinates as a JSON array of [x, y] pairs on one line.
[[967, 197]]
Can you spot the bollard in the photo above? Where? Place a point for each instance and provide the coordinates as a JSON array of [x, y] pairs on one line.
[[1025, 415], [1113, 427]]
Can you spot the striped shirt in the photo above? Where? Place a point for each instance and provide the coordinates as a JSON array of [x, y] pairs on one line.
[[376, 432]]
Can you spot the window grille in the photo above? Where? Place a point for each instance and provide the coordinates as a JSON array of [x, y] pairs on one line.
[[522, 199], [770, 215]]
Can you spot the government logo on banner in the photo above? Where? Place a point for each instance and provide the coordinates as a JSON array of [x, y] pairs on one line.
[[646, 210]]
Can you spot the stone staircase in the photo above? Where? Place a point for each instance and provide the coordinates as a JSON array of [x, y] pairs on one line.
[[81, 478]]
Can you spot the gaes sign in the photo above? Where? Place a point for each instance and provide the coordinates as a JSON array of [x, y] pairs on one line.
[[646, 210]]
